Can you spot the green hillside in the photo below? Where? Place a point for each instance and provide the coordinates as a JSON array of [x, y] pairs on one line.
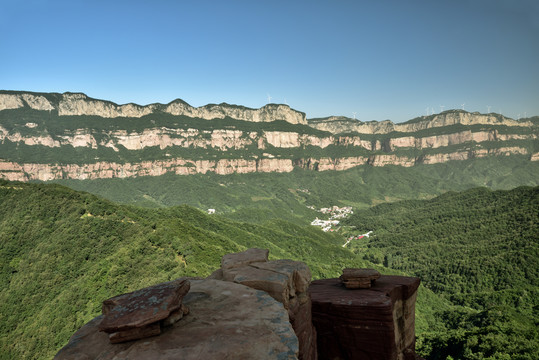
[[479, 249], [258, 196], [62, 252]]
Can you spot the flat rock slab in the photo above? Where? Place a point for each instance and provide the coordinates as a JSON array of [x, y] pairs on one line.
[[226, 321], [370, 324], [359, 278], [244, 258], [143, 307], [297, 271]]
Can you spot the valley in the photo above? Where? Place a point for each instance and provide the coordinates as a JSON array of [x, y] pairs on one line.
[[98, 198]]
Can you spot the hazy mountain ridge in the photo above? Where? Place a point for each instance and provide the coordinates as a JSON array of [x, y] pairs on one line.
[[71, 136]]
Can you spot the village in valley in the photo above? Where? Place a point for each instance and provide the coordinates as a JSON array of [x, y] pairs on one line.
[[335, 214], [332, 223]]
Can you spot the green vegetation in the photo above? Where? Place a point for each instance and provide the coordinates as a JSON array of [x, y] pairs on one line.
[[258, 196], [479, 249], [52, 123], [62, 252]]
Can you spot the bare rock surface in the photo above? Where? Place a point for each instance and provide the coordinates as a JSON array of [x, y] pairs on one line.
[[375, 324], [226, 321], [244, 258], [143, 307], [287, 281], [359, 278]]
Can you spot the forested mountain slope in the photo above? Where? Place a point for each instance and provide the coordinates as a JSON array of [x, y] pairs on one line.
[[480, 250], [62, 252]]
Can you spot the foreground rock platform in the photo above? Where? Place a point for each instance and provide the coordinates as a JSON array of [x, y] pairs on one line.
[[287, 281], [225, 321], [368, 324]]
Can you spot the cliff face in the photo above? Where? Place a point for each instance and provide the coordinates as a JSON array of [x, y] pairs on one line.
[[340, 124], [224, 139], [14, 171], [76, 104], [50, 136]]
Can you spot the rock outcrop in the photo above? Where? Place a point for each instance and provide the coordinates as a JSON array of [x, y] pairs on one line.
[[359, 278], [229, 139], [286, 281], [132, 140], [341, 124], [14, 171], [225, 321], [76, 104], [253, 308], [376, 323], [143, 313]]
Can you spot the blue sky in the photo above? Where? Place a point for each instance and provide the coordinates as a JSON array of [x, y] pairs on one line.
[[379, 59]]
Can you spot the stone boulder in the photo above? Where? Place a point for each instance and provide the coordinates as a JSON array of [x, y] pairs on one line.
[[287, 281], [359, 278], [244, 258], [376, 323], [139, 314], [226, 321]]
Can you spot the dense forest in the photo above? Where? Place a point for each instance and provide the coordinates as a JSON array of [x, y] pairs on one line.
[[63, 251], [478, 249]]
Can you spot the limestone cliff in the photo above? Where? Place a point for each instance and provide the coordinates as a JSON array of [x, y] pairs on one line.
[[234, 139], [14, 171], [51, 136], [74, 104], [341, 124]]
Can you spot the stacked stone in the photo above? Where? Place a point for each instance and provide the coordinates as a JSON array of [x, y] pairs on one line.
[[359, 278], [286, 281], [376, 323], [144, 312]]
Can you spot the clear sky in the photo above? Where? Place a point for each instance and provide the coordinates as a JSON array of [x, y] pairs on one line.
[[380, 59]]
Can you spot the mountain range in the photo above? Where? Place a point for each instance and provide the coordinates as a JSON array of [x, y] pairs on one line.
[[51, 136]]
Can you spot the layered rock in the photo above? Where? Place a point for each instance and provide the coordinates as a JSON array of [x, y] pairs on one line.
[[286, 281], [376, 323], [143, 313], [169, 146], [253, 308], [107, 170], [14, 171], [225, 139], [359, 278], [226, 321], [340, 124], [75, 104]]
